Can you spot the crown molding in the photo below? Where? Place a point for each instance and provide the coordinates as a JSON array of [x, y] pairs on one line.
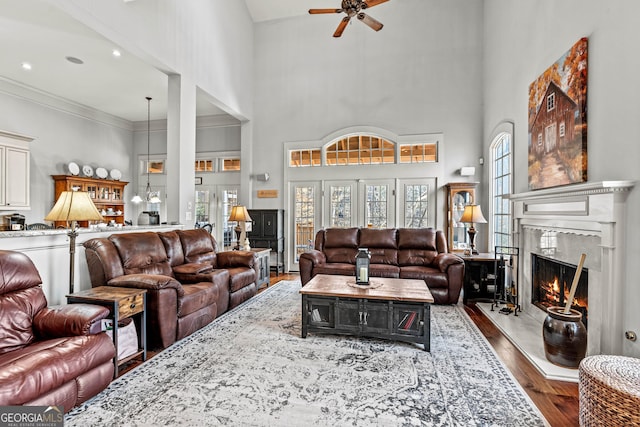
[[54, 102]]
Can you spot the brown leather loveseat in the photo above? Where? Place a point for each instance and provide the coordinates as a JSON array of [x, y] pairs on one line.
[[188, 282], [49, 356], [409, 253]]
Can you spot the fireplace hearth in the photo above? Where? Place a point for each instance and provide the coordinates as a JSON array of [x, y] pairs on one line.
[[551, 283]]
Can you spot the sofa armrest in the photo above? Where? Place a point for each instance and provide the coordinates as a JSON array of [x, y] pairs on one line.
[[230, 259], [315, 256], [308, 260], [444, 260], [147, 281], [69, 320]]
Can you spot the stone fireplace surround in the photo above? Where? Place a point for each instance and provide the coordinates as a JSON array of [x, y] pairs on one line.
[[583, 218]]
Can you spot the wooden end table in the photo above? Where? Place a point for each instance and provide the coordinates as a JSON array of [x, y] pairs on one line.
[[396, 309], [122, 303]]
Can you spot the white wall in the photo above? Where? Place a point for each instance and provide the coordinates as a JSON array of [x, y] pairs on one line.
[[522, 39], [210, 41], [62, 134], [422, 73]]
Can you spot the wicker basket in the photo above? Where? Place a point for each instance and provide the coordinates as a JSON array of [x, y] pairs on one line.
[[609, 388]]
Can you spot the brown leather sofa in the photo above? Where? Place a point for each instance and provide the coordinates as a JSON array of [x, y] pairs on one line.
[[49, 356], [188, 282], [407, 253]]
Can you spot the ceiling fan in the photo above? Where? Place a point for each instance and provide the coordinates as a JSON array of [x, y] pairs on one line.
[[353, 8]]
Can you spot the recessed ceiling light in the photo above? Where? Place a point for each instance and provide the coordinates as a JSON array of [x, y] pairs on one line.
[[26, 66], [74, 60], [116, 53]]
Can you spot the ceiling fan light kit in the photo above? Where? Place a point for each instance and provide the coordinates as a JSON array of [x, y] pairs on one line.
[[353, 8]]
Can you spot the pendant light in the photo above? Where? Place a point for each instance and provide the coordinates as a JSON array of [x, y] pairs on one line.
[[151, 197]]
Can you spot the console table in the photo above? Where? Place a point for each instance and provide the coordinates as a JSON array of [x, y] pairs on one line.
[[397, 309]]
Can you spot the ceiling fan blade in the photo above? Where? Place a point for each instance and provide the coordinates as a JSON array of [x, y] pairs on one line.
[[342, 26], [371, 22], [316, 11], [371, 3]]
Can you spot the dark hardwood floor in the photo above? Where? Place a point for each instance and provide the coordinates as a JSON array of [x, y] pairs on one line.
[[557, 400]]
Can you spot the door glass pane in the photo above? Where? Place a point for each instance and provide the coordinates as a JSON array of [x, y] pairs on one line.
[[416, 203], [229, 200], [376, 206], [304, 219], [340, 206], [202, 207]]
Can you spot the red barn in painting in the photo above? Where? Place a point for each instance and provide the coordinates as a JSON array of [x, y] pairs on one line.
[[554, 124]]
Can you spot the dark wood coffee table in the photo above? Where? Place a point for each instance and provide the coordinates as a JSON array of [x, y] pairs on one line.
[[397, 309]]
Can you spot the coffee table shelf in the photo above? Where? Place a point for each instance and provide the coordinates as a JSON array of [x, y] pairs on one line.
[[399, 309]]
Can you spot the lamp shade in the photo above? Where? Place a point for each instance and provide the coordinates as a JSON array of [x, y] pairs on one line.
[[74, 206], [239, 214], [472, 214]]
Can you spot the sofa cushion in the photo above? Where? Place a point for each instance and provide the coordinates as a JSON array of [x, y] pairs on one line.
[[378, 238], [29, 372], [142, 253], [173, 247], [432, 276], [382, 245], [197, 296], [416, 246], [198, 246], [17, 310], [343, 269], [239, 277], [384, 270], [341, 238]]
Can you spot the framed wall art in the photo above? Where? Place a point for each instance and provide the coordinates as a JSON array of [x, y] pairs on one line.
[[558, 122]]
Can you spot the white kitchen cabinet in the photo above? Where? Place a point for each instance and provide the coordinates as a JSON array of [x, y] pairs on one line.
[[14, 171]]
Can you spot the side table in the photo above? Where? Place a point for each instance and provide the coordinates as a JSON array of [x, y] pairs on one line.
[[122, 303], [262, 257], [479, 277]]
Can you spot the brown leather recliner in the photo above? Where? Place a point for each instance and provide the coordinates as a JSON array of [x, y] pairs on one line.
[[188, 283], [52, 356], [406, 253]]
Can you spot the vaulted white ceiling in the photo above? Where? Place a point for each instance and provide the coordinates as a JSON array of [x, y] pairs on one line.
[[38, 33], [266, 10]]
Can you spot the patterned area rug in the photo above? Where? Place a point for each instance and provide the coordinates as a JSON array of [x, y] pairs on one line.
[[250, 367]]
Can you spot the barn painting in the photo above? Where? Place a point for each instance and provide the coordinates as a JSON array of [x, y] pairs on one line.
[[558, 122]]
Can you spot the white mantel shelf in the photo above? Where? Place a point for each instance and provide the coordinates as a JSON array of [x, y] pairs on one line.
[[588, 188]]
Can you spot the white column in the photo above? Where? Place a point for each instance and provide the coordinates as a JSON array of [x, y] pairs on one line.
[[181, 150], [246, 164]]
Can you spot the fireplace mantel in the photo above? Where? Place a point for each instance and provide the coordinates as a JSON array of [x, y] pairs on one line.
[[596, 210], [588, 188]]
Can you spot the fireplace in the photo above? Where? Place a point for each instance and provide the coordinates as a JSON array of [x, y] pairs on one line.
[[551, 283]]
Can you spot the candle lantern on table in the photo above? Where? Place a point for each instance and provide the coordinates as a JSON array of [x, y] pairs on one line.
[[362, 266]]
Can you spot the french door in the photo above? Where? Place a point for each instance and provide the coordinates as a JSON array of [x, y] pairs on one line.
[[305, 197]]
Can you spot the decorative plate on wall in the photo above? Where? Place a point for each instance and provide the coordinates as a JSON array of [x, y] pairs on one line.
[[101, 173], [74, 169], [87, 170]]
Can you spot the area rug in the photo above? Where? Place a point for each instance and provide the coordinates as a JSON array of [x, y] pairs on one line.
[[250, 367]]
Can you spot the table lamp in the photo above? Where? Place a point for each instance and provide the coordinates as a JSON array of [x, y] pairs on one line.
[[71, 207], [472, 214], [240, 215]]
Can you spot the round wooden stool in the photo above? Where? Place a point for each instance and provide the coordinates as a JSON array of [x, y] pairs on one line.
[[609, 388]]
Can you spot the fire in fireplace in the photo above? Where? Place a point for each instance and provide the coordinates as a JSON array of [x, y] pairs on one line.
[[551, 282]]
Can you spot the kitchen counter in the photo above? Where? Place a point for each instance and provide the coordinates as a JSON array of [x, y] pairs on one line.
[[110, 230]]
